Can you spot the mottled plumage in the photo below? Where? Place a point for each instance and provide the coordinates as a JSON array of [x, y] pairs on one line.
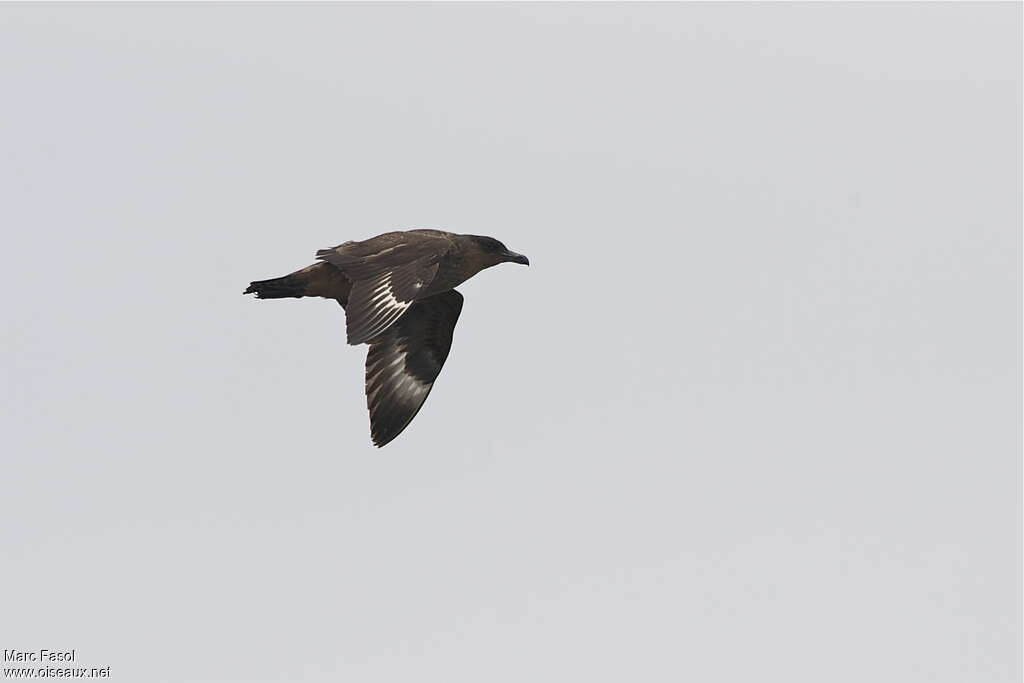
[[398, 296]]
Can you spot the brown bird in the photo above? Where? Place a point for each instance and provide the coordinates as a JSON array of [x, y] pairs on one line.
[[398, 296]]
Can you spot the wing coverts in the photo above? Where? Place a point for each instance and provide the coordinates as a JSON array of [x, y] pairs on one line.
[[384, 283]]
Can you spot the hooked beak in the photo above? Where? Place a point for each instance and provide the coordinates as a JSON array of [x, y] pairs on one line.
[[516, 258]]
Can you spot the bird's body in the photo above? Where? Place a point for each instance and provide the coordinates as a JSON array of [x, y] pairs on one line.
[[397, 290]]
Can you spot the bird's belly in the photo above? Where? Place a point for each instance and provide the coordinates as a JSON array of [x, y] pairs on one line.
[[442, 282]]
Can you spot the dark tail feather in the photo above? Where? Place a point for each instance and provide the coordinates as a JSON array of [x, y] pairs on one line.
[[320, 279], [278, 288]]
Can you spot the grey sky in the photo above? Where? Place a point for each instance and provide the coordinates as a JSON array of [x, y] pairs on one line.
[[753, 413]]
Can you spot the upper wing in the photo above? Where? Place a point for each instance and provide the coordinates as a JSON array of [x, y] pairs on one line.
[[403, 363], [387, 275]]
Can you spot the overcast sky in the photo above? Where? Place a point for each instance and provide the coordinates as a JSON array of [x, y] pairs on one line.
[[753, 413]]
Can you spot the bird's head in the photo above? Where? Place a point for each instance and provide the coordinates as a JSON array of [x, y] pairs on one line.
[[494, 252]]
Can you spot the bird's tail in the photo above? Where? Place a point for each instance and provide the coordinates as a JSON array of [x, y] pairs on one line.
[[319, 279], [278, 287]]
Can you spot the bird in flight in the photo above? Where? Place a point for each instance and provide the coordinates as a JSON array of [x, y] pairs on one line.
[[398, 293]]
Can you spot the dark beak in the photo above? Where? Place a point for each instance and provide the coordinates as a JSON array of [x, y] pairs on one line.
[[516, 258]]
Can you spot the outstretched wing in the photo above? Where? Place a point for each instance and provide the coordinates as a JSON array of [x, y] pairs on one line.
[[387, 275], [404, 361]]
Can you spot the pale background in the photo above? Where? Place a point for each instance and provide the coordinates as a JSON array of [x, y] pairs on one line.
[[752, 414]]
